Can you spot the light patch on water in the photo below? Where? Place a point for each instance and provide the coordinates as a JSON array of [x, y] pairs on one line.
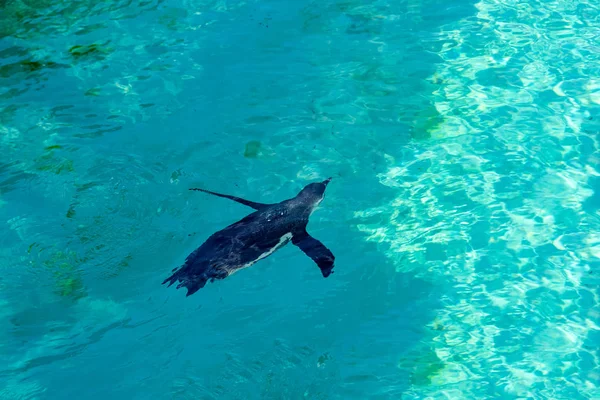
[[499, 215]]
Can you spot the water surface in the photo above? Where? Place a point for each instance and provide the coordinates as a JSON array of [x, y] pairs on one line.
[[464, 211]]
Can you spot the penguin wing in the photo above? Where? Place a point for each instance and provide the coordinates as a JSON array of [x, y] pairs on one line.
[[256, 206], [316, 250]]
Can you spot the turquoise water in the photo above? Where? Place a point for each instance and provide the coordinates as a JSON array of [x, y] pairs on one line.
[[464, 212]]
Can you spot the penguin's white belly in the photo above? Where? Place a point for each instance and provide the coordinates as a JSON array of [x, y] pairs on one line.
[[282, 242]]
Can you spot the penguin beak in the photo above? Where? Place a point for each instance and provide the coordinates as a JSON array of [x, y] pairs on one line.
[[326, 181]]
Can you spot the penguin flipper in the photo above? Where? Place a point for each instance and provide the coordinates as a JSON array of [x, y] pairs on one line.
[[316, 250], [256, 206]]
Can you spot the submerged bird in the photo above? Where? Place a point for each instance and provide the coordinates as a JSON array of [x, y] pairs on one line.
[[255, 237]]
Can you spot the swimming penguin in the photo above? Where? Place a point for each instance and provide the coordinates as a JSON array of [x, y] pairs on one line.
[[255, 237]]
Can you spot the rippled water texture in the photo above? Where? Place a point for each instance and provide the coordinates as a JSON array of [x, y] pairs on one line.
[[464, 212]]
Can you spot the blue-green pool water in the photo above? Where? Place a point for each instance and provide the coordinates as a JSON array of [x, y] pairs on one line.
[[464, 211]]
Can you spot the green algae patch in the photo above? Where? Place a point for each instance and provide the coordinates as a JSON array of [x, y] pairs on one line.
[[172, 17], [32, 66], [11, 94], [32, 246], [94, 50], [8, 113], [427, 369], [252, 149], [422, 364], [71, 211], [27, 67], [49, 162], [93, 92], [426, 122], [175, 176], [68, 281], [70, 287]]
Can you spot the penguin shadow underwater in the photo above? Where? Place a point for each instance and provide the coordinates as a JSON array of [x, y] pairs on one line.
[[255, 237]]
